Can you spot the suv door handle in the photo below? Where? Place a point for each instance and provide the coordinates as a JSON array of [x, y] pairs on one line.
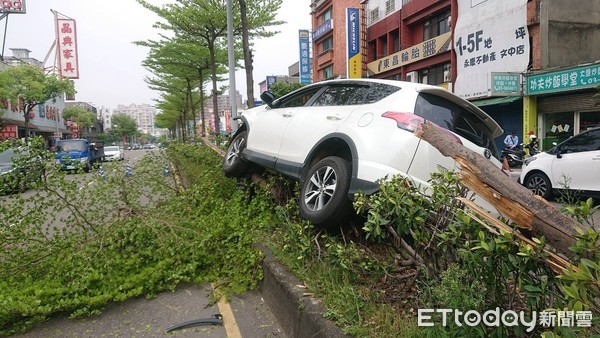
[[335, 117], [287, 114]]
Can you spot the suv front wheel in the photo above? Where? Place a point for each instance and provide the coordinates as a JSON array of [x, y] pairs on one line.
[[233, 165], [324, 195]]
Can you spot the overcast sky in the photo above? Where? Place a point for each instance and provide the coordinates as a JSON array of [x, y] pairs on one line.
[[110, 71]]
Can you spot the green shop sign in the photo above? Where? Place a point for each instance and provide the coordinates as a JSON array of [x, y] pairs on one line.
[[506, 84], [570, 79]]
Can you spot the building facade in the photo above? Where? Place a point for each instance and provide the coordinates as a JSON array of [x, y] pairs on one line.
[[531, 65], [144, 116], [92, 132], [45, 120], [329, 38]]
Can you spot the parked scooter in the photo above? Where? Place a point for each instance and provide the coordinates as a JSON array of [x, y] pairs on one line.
[[514, 156]]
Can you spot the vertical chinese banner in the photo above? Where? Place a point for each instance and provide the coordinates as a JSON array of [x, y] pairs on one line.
[[304, 66], [66, 44], [353, 43]]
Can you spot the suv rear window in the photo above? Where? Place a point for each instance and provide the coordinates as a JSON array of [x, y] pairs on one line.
[[451, 116]]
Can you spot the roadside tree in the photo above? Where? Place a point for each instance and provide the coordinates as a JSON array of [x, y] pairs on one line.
[[28, 86]]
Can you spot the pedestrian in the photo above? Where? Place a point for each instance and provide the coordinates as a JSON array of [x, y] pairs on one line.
[[512, 140]]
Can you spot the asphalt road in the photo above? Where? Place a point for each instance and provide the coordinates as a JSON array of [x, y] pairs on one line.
[[244, 316], [140, 317]]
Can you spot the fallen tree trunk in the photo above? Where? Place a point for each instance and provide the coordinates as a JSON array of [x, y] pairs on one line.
[[512, 200]]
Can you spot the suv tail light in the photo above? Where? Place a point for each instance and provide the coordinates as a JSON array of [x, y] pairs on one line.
[[411, 122], [407, 121]]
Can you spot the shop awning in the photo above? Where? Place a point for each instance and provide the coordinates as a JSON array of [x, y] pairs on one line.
[[496, 100], [19, 123]]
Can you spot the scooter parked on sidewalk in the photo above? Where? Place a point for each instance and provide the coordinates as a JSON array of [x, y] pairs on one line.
[[514, 156]]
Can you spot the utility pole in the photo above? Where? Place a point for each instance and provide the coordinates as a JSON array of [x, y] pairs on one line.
[[231, 52]]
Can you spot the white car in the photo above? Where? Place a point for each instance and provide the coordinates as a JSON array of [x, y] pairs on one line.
[[573, 164], [113, 153], [339, 137]]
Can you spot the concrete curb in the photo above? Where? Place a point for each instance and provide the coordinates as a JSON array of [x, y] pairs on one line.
[[298, 315]]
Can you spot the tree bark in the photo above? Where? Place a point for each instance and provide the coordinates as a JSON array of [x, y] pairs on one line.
[[512, 200]]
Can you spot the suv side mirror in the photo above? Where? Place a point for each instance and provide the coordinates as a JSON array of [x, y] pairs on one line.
[[268, 98]]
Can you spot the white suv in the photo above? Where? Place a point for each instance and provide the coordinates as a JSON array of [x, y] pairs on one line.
[[339, 137]]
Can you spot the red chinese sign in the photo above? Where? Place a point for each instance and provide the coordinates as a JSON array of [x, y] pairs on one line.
[[66, 42], [12, 6], [9, 132]]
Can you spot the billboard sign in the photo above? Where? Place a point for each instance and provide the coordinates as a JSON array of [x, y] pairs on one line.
[[325, 28], [354, 64], [8, 132], [490, 36], [12, 7], [66, 42], [439, 44], [304, 66], [560, 81]]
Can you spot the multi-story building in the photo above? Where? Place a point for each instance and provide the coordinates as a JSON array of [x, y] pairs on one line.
[[143, 114], [329, 40], [223, 102], [531, 65], [93, 131]]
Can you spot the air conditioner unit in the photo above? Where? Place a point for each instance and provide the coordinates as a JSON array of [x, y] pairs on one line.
[[412, 76]]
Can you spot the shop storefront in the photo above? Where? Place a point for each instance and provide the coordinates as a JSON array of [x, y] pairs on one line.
[[562, 116], [566, 102]]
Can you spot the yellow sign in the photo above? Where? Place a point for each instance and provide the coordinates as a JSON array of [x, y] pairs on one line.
[[423, 50]]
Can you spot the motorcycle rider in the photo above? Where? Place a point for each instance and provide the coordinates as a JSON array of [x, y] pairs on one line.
[[532, 147]]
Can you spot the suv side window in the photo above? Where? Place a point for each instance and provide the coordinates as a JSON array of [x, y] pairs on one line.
[[338, 95], [352, 94], [586, 141], [451, 116], [299, 99]]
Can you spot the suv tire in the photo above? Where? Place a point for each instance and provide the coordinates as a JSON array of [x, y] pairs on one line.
[[233, 165], [324, 195]]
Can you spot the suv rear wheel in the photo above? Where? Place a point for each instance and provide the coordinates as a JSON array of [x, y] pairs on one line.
[[324, 195], [233, 165]]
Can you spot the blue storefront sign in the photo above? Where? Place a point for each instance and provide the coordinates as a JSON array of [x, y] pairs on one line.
[[304, 65]]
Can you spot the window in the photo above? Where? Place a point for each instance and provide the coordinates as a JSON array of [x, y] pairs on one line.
[[338, 95], [384, 45], [390, 6], [328, 72], [437, 75], [589, 141], [375, 15], [451, 116], [327, 44], [373, 48], [299, 99], [436, 25], [395, 41], [326, 16]]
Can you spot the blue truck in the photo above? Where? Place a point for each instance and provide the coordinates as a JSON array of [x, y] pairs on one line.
[[75, 154]]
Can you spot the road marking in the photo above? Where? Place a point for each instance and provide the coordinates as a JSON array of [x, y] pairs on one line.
[[231, 327]]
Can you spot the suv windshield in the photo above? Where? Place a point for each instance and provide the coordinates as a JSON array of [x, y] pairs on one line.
[[111, 148]]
